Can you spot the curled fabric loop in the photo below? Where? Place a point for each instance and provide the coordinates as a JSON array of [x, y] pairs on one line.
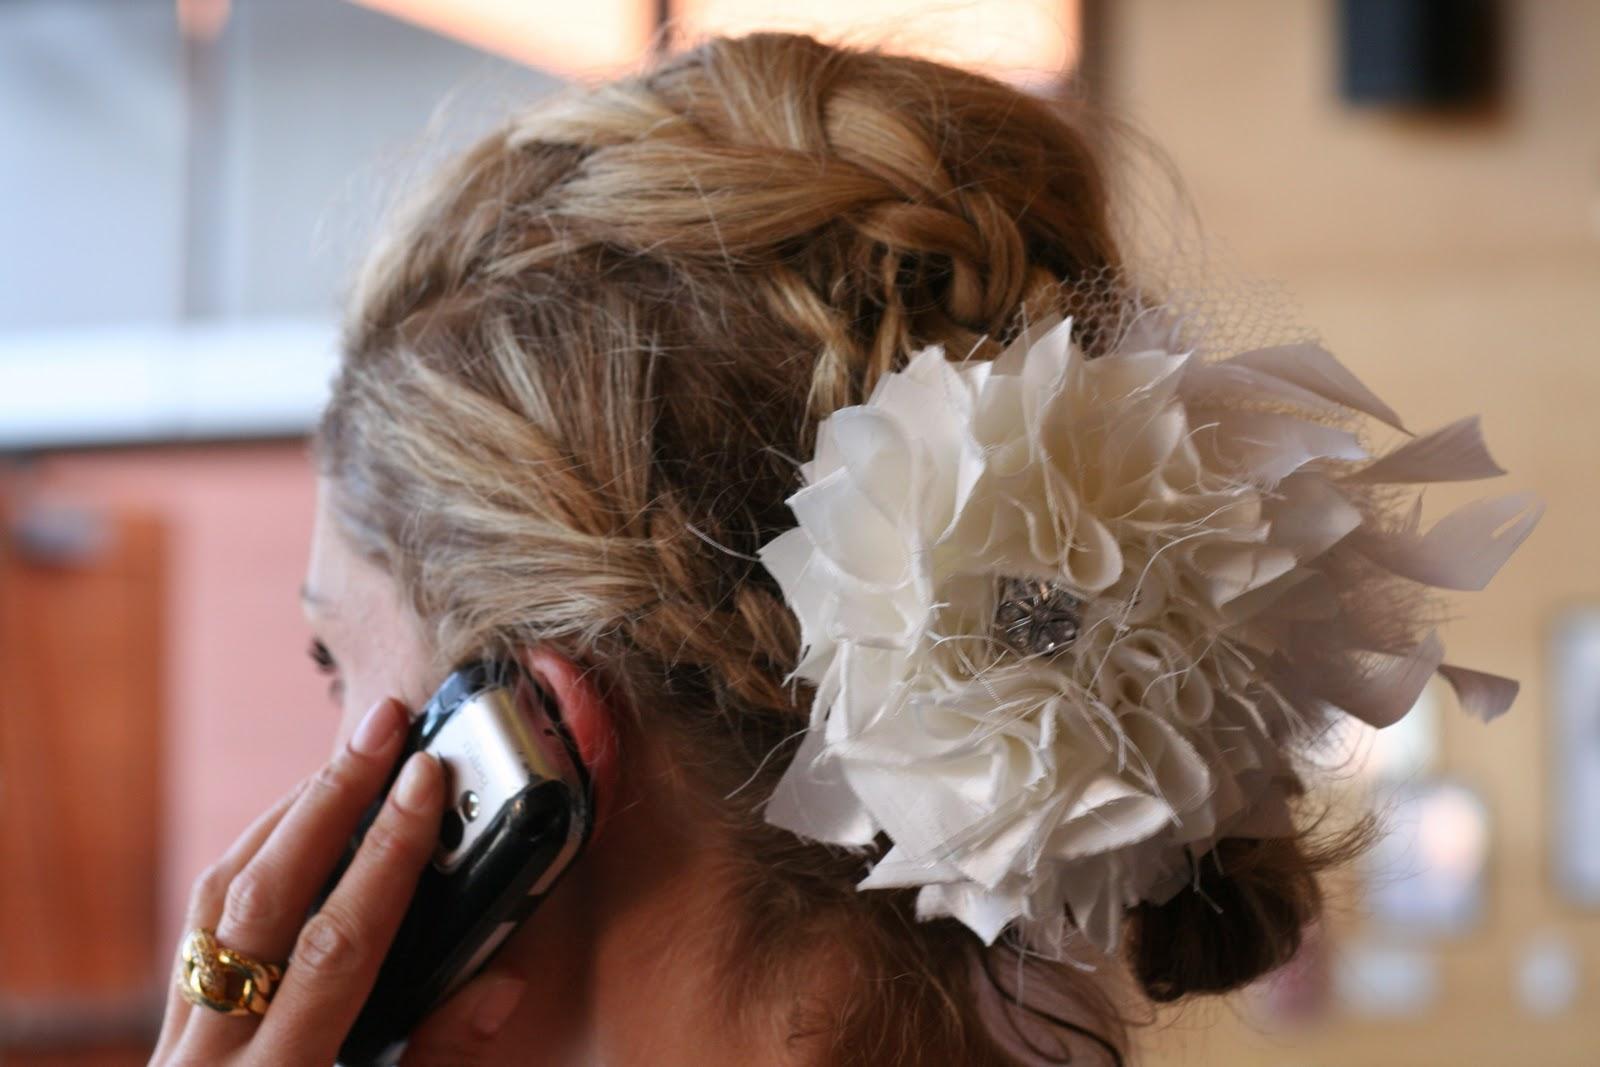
[[1208, 548]]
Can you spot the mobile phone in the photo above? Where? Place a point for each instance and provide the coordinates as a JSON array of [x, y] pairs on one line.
[[518, 810]]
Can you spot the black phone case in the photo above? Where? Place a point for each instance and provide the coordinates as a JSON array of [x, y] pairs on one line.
[[452, 915]]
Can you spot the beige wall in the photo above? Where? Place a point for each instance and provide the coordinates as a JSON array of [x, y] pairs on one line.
[[1455, 265]]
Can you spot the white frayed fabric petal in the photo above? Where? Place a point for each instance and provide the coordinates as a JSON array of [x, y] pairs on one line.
[[1456, 453], [1483, 696], [1066, 619]]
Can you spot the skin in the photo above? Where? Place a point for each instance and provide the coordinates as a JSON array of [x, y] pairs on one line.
[[616, 967]]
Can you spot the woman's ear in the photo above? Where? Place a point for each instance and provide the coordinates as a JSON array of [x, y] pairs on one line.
[[588, 716]]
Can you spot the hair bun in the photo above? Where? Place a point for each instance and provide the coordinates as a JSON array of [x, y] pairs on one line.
[[1242, 917]]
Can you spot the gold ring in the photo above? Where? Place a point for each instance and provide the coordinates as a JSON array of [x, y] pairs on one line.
[[222, 979]]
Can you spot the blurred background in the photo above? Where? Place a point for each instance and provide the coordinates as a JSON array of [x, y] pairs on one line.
[[186, 187]]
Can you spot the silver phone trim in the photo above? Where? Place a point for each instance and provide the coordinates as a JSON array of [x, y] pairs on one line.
[[495, 744]]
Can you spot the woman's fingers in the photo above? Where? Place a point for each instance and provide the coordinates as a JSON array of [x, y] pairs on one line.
[[205, 900], [267, 900], [337, 955], [210, 889], [460, 1031]]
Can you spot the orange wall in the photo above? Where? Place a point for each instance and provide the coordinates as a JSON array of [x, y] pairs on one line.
[[246, 714]]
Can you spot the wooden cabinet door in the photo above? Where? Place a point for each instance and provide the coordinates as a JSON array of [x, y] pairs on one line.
[[81, 977]]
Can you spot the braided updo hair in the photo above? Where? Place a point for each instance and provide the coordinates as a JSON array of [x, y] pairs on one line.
[[577, 378]]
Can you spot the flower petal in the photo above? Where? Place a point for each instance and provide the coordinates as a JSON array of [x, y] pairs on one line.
[[1483, 696], [1313, 369], [854, 536], [813, 799], [1268, 447], [1309, 516], [1463, 550], [1456, 453]]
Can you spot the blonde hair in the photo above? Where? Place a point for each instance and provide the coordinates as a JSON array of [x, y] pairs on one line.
[[579, 374]]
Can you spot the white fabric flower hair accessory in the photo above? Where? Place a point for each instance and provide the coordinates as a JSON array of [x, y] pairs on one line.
[[1067, 618]]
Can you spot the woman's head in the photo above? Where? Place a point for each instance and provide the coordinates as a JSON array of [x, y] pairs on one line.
[[578, 378]]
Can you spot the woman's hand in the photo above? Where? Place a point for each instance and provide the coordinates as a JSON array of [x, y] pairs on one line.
[[257, 895]]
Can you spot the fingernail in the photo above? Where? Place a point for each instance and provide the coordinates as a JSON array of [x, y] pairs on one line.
[[419, 783], [378, 729], [497, 1004]]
